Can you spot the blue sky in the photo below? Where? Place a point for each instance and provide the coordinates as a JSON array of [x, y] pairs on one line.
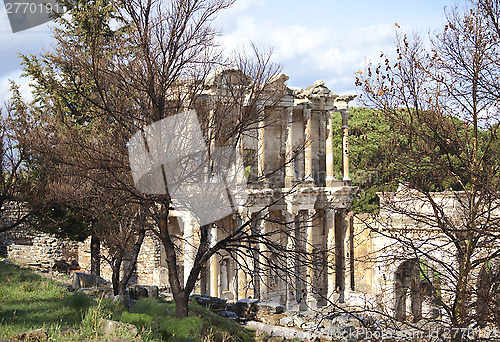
[[311, 40]]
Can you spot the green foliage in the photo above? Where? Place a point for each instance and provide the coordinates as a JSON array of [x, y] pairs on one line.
[[64, 221], [152, 307], [181, 329], [382, 154], [369, 160], [27, 301], [90, 322], [111, 307], [139, 320], [79, 301], [217, 328]]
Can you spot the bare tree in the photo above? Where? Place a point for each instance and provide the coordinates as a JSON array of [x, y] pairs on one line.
[[442, 101], [15, 180], [102, 85]]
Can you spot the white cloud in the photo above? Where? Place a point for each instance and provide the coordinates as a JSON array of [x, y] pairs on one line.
[[310, 53]]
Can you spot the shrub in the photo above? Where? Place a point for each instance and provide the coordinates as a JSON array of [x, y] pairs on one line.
[[150, 307], [79, 301], [139, 320], [30, 286], [181, 329], [111, 307]]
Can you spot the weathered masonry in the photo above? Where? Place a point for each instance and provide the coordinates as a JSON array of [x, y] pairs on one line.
[[303, 195]]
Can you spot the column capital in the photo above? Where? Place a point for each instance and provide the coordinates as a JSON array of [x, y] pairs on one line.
[[329, 213]]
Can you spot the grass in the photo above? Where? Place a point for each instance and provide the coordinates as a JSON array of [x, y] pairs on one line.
[[29, 301], [202, 325]]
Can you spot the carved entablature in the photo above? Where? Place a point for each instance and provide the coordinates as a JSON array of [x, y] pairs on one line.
[[341, 102], [227, 77], [340, 197], [318, 96]]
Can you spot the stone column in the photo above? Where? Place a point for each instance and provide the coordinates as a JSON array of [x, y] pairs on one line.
[[341, 224], [308, 145], [251, 262], [235, 285], [329, 149], [242, 278], [289, 167], [261, 142], [190, 225], [310, 282], [351, 251], [321, 151], [214, 266], [345, 144], [291, 301], [330, 226], [300, 266], [211, 131], [263, 270], [241, 260]]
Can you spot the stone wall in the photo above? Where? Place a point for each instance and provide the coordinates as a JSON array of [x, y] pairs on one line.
[[148, 270], [364, 259], [43, 251], [17, 236], [148, 261], [84, 259]]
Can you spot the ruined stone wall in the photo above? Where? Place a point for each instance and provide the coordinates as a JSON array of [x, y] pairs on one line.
[[84, 259], [147, 271], [43, 251], [364, 259], [16, 236], [148, 261]]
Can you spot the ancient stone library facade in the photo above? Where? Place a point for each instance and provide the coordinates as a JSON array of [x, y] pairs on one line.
[[309, 195]]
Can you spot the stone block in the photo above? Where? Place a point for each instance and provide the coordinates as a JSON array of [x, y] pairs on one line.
[[87, 280], [125, 300], [107, 327], [244, 308], [271, 307], [228, 314], [33, 335], [213, 303], [143, 291], [286, 321]]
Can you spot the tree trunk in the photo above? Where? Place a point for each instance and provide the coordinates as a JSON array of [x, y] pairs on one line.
[[95, 255], [115, 277], [181, 305], [120, 284], [127, 274]]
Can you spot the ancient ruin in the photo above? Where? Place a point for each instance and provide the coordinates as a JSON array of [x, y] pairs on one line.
[[303, 194]]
